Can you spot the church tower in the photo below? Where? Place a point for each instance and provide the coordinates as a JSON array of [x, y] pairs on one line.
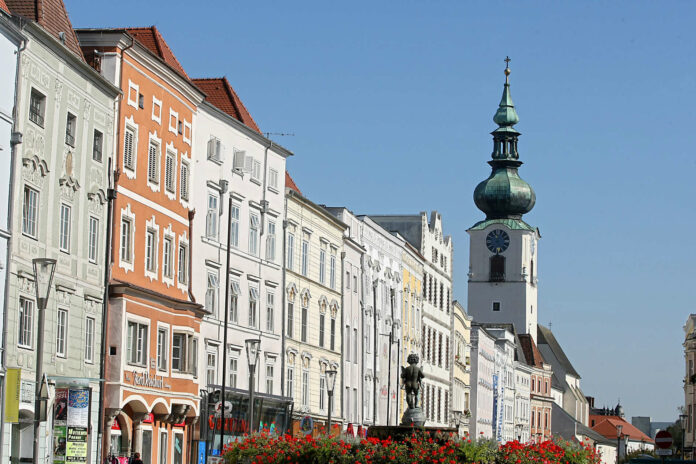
[[503, 248]]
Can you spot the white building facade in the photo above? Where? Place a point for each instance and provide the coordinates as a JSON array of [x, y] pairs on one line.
[[427, 236], [240, 180], [523, 375], [483, 363]]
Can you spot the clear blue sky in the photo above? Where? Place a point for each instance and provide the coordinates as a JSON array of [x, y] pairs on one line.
[[391, 106]]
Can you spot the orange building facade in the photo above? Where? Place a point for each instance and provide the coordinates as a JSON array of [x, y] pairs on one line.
[[151, 398], [541, 395]]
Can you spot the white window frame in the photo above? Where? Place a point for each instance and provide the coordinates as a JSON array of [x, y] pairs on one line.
[[269, 378], [290, 380], [256, 170], [156, 103], [170, 171], [212, 291], [92, 240], [126, 247], [290, 251], [212, 215], [234, 362], [183, 267], [322, 266], [168, 259], [30, 211], [151, 247], [304, 257], [273, 179], [163, 437], [89, 339], [131, 87], [254, 234], [271, 241], [270, 311], [235, 292], [175, 115], [65, 227], [305, 387], [154, 160], [162, 359], [186, 135], [25, 323], [144, 349], [129, 168], [254, 298], [62, 332], [211, 371], [234, 230], [332, 270]]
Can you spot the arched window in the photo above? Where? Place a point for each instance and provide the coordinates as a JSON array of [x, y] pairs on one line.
[[497, 273]]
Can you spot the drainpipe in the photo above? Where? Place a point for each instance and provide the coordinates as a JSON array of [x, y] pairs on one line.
[[113, 174], [374, 354], [283, 300], [344, 413], [191, 215], [13, 157]]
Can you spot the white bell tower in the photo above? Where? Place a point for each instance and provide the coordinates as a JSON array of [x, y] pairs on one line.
[[503, 248]]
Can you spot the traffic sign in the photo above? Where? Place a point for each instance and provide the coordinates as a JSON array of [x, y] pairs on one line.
[[663, 452], [663, 439]]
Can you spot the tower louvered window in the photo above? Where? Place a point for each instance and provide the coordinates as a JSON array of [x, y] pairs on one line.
[[497, 272]]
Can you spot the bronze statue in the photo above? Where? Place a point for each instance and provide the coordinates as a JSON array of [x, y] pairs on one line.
[[411, 376]]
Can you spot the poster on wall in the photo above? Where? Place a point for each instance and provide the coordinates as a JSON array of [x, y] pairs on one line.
[[59, 444], [60, 406], [78, 408], [76, 446]]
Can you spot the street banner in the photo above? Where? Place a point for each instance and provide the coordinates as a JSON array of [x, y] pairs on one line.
[[60, 439], [13, 379], [78, 408], [76, 448]]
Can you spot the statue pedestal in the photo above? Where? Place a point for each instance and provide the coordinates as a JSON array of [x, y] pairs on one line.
[[413, 417]]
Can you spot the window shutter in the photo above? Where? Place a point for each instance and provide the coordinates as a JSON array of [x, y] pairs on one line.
[[128, 150], [211, 148], [248, 163], [218, 150], [238, 161]]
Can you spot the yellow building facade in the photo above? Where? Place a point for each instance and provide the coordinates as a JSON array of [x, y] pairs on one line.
[[461, 383], [411, 309]]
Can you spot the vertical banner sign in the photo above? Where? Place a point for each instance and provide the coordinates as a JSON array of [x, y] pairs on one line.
[[13, 379], [78, 408], [60, 420], [76, 448], [495, 404]]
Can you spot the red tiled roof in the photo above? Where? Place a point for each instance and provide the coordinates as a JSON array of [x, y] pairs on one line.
[[3, 6], [150, 38], [49, 14], [220, 94], [530, 350], [606, 426], [290, 184]]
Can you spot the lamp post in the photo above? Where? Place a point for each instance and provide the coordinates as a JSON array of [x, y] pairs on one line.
[[252, 349], [43, 275], [619, 428], [456, 418], [682, 422], [392, 340], [518, 429], [330, 385]]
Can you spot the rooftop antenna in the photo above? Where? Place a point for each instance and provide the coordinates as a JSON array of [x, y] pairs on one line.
[[280, 134], [550, 325]]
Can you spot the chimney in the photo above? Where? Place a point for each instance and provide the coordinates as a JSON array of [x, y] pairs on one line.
[[590, 401]]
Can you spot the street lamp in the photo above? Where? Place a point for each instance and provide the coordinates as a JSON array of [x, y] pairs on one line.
[[682, 422], [619, 428], [456, 418], [43, 275], [252, 349], [392, 339], [331, 384], [518, 429]]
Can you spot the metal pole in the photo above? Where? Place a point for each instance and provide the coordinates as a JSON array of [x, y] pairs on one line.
[[389, 376], [41, 303], [618, 447], [226, 322], [330, 408], [374, 359], [252, 370]]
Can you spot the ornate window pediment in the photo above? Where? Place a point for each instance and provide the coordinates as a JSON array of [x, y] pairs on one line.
[[291, 291], [305, 296]]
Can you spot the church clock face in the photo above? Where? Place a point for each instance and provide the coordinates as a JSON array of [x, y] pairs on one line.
[[497, 241]]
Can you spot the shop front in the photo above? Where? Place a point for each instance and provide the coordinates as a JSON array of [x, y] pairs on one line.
[[271, 414]]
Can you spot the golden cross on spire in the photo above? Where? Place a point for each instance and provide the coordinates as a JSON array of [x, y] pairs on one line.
[[507, 68]]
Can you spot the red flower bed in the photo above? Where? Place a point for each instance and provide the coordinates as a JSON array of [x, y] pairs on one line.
[[264, 449]]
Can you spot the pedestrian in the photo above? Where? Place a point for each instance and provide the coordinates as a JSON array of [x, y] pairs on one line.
[[136, 459]]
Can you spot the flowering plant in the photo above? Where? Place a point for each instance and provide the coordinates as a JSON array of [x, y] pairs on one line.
[[266, 449]]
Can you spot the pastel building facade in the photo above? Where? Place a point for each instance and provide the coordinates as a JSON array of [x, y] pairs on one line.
[[689, 345], [56, 172], [354, 338], [427, 236], [461, 371], [313, 314], [412, 310], [153, 329], [240, 181], [483, 367]]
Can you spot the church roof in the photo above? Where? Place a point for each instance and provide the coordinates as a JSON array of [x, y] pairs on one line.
[[532, 354], [512, 224], [546, 337]]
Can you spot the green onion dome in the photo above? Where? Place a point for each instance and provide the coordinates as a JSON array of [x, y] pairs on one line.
[[504, 194]]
